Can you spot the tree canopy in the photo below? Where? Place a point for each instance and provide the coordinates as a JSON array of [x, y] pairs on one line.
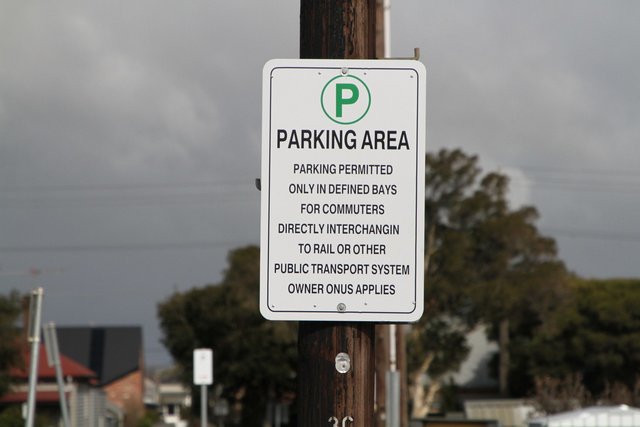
[[484, 262], [9, 334], [254, 358], [596, 337]]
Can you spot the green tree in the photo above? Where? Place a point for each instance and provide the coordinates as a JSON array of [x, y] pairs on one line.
[[149, 419], [484, 262], [519, 278], [597, 337], [255, 359], [436, 344], [9, 335], [11, 416]]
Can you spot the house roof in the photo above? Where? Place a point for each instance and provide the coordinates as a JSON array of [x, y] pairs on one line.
[[111, 351], [22, 396], [68, 366]]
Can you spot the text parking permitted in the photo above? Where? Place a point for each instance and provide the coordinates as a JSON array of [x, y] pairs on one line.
[[342, 203]]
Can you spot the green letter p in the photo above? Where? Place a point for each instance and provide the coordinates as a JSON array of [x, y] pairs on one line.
[[341, 88]]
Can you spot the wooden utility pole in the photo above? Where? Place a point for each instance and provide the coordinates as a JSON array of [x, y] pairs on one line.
[[336, 29], [328, 397]]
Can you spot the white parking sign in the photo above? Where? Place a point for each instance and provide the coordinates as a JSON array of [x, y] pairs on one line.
[[342, 210], [203, 366]]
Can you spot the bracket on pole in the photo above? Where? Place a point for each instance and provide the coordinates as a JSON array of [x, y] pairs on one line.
[[415, 57]]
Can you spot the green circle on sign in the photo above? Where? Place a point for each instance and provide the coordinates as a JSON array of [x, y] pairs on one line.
[[345, 121]]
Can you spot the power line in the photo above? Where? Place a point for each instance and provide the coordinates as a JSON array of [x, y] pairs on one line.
[[127, 200], [119, 247], [578, 185], [593, 234], [132, 194], [572, 179], [206, 192], [573, 171], [124, 186], [555, 231]]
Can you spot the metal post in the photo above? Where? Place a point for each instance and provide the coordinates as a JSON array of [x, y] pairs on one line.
[[203, 376], [393, 382], [393, 399], [277, 418], [203, 405], [53, 358], [35, 310], [392, 403]]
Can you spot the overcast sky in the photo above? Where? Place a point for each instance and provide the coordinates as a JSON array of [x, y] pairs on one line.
[[130, 134]]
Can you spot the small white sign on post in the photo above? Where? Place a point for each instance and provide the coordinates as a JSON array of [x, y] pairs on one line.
[[342, 203], [203, 366]]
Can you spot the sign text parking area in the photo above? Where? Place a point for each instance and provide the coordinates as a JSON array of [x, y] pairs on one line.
[[342, 206]]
